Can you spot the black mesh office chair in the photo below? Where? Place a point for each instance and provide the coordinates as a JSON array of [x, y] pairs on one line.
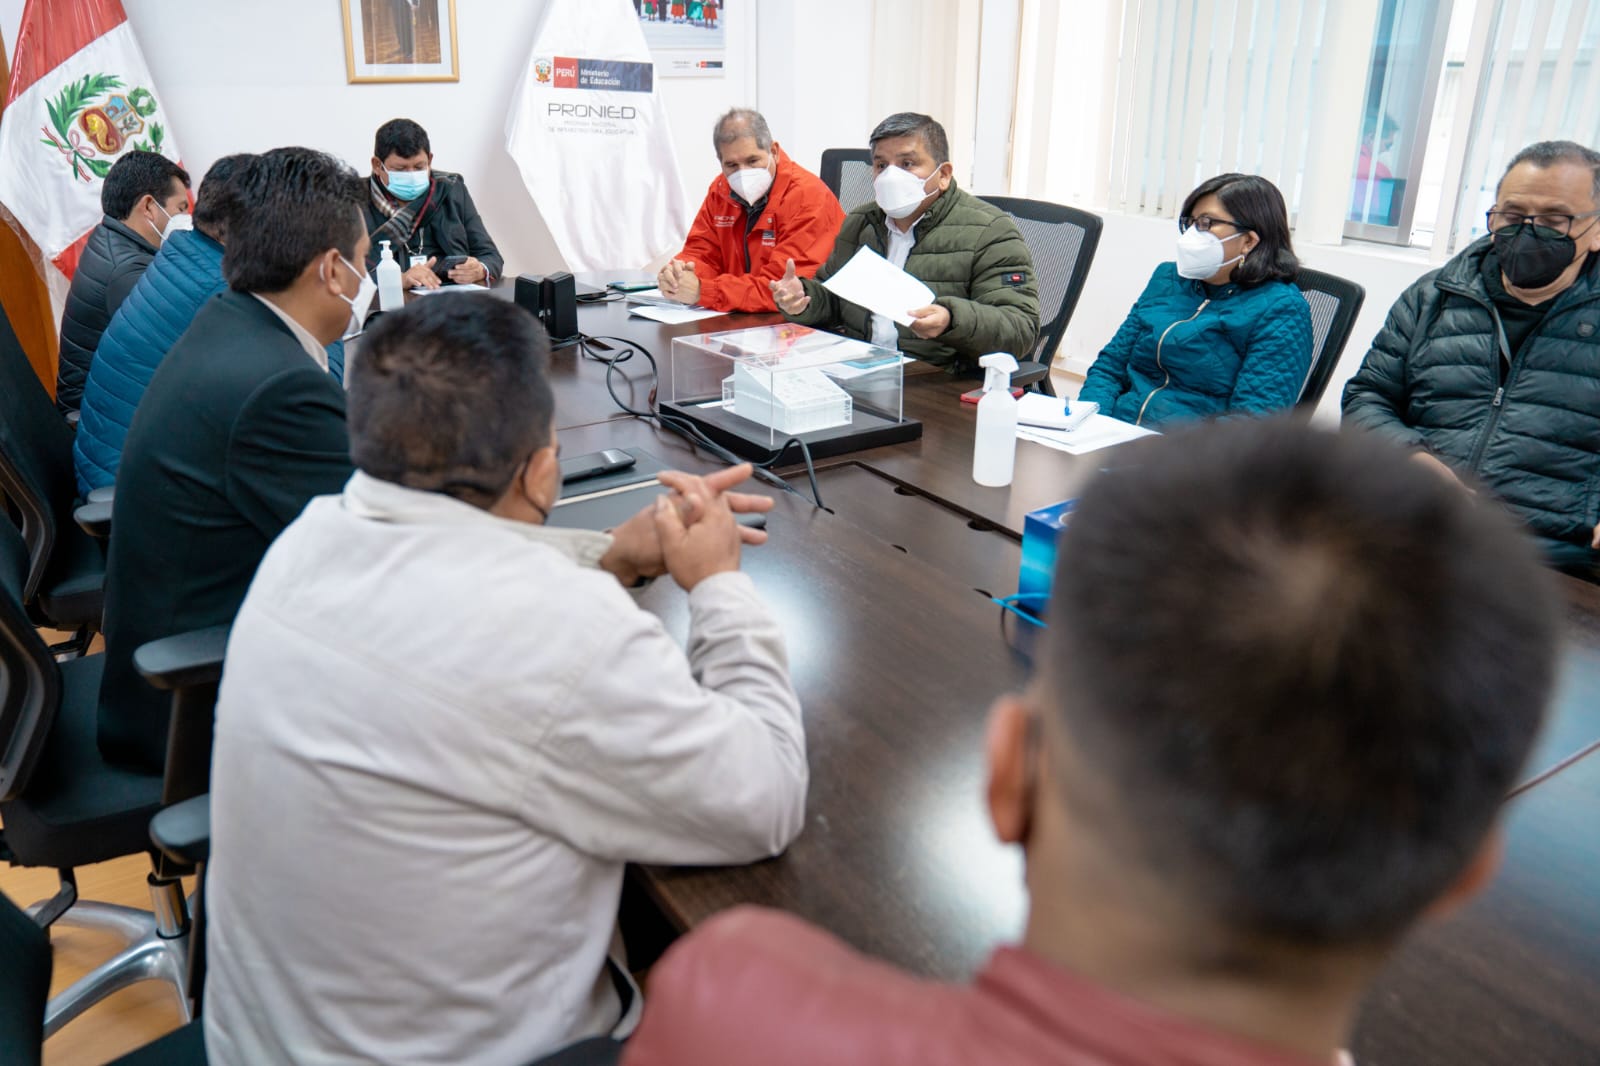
[[848, 172], [65, 585], [1062, 241], [63, 806], [24, 984], [1334, 304]]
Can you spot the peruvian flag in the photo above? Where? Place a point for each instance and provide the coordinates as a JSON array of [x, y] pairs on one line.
[[80, 96]]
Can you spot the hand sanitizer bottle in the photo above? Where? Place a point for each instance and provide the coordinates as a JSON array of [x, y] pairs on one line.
[[391, 297], [994, 451]]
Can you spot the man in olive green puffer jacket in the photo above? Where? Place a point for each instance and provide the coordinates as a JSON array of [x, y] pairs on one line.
[[970, 253]]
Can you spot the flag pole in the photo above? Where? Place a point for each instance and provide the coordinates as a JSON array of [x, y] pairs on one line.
[[23, 293]]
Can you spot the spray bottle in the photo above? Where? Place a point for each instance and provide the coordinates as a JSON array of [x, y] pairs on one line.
[[994, 450], [391, 297]]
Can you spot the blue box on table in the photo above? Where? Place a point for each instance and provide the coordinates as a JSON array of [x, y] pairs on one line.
[[1041, 534]]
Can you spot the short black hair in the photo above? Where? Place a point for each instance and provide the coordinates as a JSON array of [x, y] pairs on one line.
[[451, 395], [908, 123], [135, 176], [1257, 205], [401, 137], [1307, 669], [217, 203], [295, 204], [1544, 154]]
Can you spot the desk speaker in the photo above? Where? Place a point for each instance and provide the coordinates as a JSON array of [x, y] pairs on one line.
[[553, 298]]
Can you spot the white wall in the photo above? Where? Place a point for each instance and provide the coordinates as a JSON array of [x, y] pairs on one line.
[[251, 76]]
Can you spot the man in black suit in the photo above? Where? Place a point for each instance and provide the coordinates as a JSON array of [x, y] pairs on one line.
[[240, 427]]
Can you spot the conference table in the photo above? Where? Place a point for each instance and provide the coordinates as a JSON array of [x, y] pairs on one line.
[[897, 651]]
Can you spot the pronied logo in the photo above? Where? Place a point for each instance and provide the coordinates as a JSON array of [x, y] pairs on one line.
[[616, 111], [541, 71]]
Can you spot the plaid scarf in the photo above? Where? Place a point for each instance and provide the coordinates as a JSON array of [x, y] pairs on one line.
[[402, 216]]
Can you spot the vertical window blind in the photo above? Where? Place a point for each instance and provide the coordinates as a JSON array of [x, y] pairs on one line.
[[1534, 72], [1208, 86]]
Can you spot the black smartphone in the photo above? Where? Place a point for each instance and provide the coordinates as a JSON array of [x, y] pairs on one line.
[[442, 267], [595, 464]]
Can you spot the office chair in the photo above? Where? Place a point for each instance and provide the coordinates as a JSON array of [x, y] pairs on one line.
[[1062, 241], [63, 806], [25, 980], [65, 585], [24, 983], [1334, 304], [848, 172]]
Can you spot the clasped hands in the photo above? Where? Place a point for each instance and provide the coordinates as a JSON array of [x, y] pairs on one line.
[[689, 532], [789, 293], [677, 281]]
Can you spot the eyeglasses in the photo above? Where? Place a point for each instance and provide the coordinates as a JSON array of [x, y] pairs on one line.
[[1203, 223], [1559, 224]]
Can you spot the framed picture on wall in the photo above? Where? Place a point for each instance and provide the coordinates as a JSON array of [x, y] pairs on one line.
[[400, 40]]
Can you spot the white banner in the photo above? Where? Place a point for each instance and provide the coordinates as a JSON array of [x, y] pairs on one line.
[[588, 131]]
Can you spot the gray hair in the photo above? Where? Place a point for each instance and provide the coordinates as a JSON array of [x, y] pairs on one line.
[[1548, 153], [741, 122], [907, 123]]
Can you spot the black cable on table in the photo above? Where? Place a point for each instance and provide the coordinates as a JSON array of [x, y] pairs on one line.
[[624, 350]]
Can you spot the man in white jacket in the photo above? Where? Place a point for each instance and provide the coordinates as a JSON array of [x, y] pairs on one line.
[[444, 728]]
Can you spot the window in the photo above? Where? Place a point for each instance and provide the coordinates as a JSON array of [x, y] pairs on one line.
[[1396, 117]]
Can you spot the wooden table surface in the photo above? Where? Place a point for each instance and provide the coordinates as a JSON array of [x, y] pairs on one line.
[[897, 653]]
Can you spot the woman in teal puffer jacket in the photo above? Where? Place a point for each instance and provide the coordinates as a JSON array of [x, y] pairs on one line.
[[1224, 329]]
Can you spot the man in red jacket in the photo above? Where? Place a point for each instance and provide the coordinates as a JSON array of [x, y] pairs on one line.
[[762, 211], [1287, 681]]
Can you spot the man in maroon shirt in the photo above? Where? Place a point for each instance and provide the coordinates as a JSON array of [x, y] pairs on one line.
[[1287, 680]]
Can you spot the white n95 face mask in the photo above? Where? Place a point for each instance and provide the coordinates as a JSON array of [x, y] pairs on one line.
[[361, 302], [899, 192], [751, 184], [182, 220], [1200, 254]]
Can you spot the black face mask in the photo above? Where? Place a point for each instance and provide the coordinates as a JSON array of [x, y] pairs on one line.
[[1532, 257]]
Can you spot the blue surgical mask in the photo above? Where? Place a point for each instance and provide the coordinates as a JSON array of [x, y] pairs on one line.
[[408, 184]]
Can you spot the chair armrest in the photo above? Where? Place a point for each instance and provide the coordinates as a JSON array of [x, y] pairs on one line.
[[1028, 374], [183, 831], [192, 658], [94, 519], [103, 494]]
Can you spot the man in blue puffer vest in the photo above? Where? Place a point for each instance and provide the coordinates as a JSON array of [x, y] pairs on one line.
[[184, 275]]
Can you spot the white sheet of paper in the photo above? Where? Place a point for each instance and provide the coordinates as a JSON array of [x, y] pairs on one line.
[[1039, 411], [652, 296], [873, 282], [470, 286], [1100, 431], [673, 316]]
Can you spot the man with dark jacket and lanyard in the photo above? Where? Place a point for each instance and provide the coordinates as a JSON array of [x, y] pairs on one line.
[[142, 194], [424, 214], [969, 252], [1489, 368]]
